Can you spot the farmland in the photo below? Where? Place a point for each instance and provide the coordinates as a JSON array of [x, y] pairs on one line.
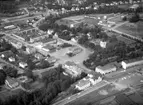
[[134, 29]]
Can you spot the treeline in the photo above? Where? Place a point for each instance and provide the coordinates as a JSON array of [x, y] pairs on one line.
[[8, 6]]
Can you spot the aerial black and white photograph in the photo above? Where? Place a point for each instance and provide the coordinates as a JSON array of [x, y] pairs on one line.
[[71, 52]]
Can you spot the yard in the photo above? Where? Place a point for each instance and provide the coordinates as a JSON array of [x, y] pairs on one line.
[[134, 29]]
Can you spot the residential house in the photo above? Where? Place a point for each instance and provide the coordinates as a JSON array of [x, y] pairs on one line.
[[50, 31], [94, 79], [83, 84], [11, 82], [11, 59], [23, 65], [103, 44], [106, 69]]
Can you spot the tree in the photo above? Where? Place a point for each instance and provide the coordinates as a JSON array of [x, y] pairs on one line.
[[83, 39], [29, 74], [134, 18], [11, 72], [14, 50], [124, 18], [2, 77]]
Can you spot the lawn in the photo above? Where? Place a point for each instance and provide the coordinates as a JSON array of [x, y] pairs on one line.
[[96, 95], [132, 29]]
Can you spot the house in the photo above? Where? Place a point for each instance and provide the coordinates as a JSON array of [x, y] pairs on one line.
[[132, 62], [11, 59], [23, 65], [72, 68], [10, 27], [11, 82], [105, 69], [2, 55], [74, 40], [83, 84], [94, 79], [38, 56], [103, 44], [50, 31]]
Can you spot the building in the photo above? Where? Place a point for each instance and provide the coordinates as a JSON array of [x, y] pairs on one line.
[[38, 56], [83, 84], [11, 59], [94, 79], [11, 82], [106, 69], [103, 44], [72, 68], [23, 65], [10, 27], [130, 63]]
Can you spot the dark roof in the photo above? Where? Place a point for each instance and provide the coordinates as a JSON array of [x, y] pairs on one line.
[[122, 99]]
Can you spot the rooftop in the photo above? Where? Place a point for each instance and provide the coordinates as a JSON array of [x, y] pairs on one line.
[[83, 82]]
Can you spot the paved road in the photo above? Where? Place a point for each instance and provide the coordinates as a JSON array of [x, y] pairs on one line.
[[78, 95]]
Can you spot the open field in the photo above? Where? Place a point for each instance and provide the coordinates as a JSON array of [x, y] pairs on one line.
[[127, 41], [97, 95], [91, 19], [135, 30]]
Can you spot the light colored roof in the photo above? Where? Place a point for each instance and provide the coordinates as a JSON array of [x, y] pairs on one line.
[[83, 82], [134, 6]]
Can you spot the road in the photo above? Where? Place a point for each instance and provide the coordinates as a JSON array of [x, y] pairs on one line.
[[78, 95]]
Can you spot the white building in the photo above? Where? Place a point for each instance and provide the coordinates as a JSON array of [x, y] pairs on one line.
[[72, 68], [11, 59], [10, 27], [95, 79], [83, 84], [23, 64], [130, 63], [103, 44], [105, 69]]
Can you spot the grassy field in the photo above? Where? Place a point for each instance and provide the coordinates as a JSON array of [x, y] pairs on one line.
[[91, 19], [97, 95], [132, 29]]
